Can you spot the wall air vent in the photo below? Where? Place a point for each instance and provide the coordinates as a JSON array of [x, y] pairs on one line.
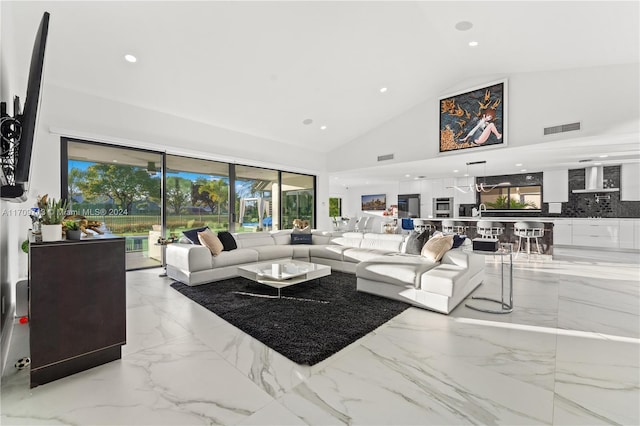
[[385, 157], [561, 128]]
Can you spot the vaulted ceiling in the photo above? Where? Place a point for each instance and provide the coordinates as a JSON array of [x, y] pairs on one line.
[[265, 67]]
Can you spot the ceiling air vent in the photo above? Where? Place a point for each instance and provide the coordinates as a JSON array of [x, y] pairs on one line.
[[385, 157], [561, 128]]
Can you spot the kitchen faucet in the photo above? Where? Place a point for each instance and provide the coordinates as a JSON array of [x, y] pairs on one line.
[[481, 207]]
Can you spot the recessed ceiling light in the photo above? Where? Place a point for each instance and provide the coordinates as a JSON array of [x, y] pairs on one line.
[[466, 175], [115, 161], [130, 58], [523, 170], [307, 121], [518, 164], [463, 26], [456, 171], [597, 163], [323, 127], [473, 43], [604, 156], [383, 89], [407, 175]]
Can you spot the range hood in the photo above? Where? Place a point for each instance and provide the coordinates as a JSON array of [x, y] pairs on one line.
[[594, 181]]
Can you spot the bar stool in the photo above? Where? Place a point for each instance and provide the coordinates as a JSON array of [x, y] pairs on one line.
[[528, 231], [407, 224], [489, 229], [453, 227]]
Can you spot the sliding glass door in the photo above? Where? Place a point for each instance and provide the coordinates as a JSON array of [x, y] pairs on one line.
[[298, 200], [256, 199], [197, 194], [120, 190]]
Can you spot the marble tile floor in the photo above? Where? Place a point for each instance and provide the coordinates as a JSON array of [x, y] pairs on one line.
[[569, 354]]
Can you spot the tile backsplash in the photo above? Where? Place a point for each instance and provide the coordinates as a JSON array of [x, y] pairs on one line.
[[603, 204]]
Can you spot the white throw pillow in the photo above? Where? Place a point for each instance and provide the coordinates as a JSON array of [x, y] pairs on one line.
[[211, 241], [436, 247]]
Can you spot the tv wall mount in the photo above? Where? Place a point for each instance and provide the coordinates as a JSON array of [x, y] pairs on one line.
[[10, 132]]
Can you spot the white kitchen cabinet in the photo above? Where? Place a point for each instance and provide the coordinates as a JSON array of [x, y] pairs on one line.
[[627, 234], [596, 233], [563, 232], [555, 186], [630, 182]]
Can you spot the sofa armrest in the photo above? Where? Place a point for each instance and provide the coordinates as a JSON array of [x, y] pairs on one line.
[[189, 257], [464, 258], [457, 257]]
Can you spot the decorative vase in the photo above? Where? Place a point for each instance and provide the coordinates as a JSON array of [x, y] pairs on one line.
[[74, 234], [51, 232]]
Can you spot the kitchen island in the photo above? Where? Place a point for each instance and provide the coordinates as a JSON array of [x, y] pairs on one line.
[[546, 242]]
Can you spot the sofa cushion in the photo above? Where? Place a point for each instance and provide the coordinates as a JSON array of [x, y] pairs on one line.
[[356, 255], [192, 234], [236, 257], [443, 279], [211, 241], [301, 252], [398, 269], [273, 252], [331, 251], [321, 237], [282, 237], [227, 240], [254, 239], [350, 239], [387, 242], [436, 247]]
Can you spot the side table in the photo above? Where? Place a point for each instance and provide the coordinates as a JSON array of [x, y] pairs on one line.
[[163, 243], [505, 251]]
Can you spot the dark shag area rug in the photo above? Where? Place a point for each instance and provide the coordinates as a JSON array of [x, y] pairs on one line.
[[312, 320]]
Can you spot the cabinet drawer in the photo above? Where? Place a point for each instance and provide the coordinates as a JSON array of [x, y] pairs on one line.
[[596, 230], [594, 241]]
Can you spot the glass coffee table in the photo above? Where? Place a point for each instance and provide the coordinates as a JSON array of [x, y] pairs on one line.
[[283, 273]]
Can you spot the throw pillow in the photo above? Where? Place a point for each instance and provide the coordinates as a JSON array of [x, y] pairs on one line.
[[436, 247], [227, 240], [298, 238], [211, 241], [305, 230], [416, 241], [192, 234], [458, 240]]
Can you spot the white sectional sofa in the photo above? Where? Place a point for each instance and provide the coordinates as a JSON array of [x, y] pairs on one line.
[[377, 260]]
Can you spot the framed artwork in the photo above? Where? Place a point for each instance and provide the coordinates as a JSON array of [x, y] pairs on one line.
[[374, 202], [475, 118]]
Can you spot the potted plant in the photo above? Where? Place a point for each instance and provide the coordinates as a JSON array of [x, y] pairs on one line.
[[52, 212], [73, 230]]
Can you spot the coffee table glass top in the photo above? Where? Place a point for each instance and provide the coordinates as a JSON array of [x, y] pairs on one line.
[[282, 270]]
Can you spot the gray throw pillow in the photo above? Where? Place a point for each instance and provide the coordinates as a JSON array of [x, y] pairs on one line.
[[416, 241]]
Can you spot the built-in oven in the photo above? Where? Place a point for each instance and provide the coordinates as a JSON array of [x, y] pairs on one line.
[[443, 207]]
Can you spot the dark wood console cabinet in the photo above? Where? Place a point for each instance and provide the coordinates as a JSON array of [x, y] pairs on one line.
[[77, 306]]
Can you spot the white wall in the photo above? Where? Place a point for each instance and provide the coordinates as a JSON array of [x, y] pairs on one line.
[[70, 113], [603, 99]]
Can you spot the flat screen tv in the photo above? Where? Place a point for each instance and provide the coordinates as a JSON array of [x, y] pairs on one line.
[[28, 120]]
